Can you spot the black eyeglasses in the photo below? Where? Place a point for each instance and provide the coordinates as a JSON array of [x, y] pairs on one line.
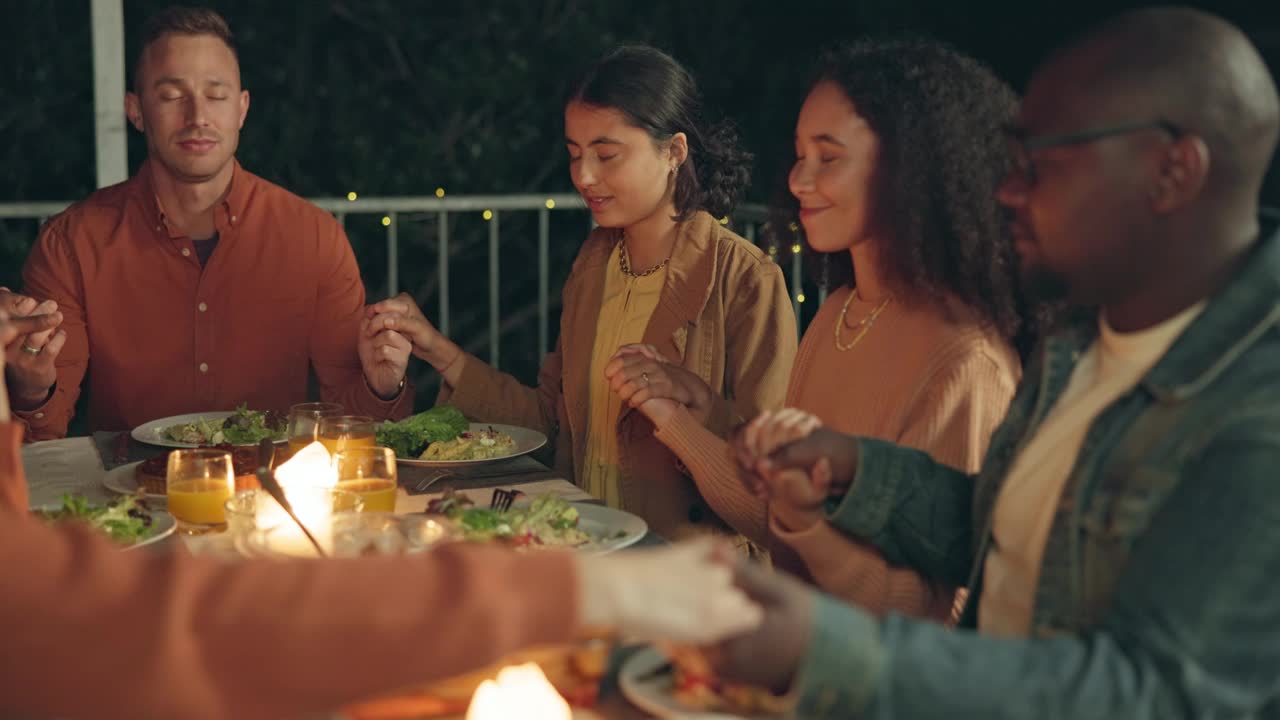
[[1022, 144]]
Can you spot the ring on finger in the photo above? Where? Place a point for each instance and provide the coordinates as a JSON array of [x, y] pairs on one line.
[[30, 350], [645, 377]]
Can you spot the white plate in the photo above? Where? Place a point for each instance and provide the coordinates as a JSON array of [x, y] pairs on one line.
[[124, 480], [162, 523], [652, 693], [151, 433], [526, 442], [618, 528]]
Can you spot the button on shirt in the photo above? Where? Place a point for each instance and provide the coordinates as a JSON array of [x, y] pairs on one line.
[[159, 334]]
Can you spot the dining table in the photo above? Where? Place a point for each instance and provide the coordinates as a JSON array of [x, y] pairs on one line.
[[78, 465]]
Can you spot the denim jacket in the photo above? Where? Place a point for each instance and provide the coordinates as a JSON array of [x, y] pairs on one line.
[[1159, 594]]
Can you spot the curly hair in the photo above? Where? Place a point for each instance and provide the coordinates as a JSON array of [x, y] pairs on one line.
[[937, 114], [656, 94]]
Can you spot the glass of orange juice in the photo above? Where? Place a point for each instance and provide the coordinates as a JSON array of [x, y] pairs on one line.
[[339, 432], [199, 482], [369, 472], [304, 422]]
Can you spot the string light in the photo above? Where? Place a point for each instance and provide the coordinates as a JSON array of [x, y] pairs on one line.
[[351, 196], [439, 192], [551, 204], [800, 297], [724, 220], [796, 248], [794, 227], [488, 214], [386, 221]]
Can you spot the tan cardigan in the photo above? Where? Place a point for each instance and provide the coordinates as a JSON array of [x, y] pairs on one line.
[[724, 315]]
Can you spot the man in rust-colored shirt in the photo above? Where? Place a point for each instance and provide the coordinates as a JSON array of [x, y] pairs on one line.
[[195, 285]]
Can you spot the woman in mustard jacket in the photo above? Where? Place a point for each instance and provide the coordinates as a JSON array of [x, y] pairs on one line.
[[659, 269]]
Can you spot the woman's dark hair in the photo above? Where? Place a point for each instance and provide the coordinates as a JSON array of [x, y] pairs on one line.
[[938, 116], [656, 94]]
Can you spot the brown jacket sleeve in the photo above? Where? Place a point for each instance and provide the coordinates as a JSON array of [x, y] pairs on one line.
[[762, 340], [487, 395], [91, 631], [339, 310], [52, 273]]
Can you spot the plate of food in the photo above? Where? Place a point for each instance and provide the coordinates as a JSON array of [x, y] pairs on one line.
[[128, 520], [678, 682], [547, 521], [148, 476], [443, 437], [242, 427]]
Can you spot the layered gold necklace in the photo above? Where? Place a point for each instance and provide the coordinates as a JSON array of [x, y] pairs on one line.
[[862, 326], [626, 264]]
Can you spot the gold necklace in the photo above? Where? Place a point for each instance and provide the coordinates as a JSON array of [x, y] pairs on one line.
[[863, 325], [626, 266]]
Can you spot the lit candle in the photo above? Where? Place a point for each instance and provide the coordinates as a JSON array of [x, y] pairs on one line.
[[310, 467], [520, 691]]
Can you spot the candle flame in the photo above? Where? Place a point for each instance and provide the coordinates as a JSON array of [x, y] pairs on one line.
[[310, 467], [519, 691]]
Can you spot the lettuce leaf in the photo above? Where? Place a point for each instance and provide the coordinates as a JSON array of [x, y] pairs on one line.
[[409, 437]]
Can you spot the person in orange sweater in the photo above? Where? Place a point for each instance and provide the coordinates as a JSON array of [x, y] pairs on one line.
[[894, 178], [93, 632]]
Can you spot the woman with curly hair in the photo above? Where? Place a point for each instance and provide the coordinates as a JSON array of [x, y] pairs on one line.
[[898, 156], [660, 270]]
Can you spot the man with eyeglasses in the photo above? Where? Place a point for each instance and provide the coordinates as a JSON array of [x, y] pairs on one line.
[[1122, 541]]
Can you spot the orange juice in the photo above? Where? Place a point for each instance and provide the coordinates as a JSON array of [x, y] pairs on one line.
[[342, 442], [296, 444], [199, 501], [379, 495]]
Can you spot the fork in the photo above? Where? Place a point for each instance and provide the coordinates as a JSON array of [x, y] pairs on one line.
[[502, 499]]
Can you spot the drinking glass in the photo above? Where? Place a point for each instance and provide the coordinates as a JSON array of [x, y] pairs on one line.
[[199, 482], [304, 422], [369, 472], [339, 432]]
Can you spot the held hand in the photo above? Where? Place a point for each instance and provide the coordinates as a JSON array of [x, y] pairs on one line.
[[831, 458], [384, 356], [644, 379], [31, 354], [684, 593], [751, 443], [12, 329], [402, 315], [769, 655]]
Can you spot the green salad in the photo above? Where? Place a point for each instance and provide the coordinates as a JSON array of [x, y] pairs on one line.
[[409, 437], [548, 520], [243, 427], [127, 521]]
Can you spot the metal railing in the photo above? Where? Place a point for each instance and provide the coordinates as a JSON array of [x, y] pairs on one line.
[[747, 220]]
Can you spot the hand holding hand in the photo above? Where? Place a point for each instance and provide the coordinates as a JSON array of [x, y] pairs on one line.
[[402, 315], [31, 354], [11, 330], [643, 378], [769, 655], [684, 593]]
